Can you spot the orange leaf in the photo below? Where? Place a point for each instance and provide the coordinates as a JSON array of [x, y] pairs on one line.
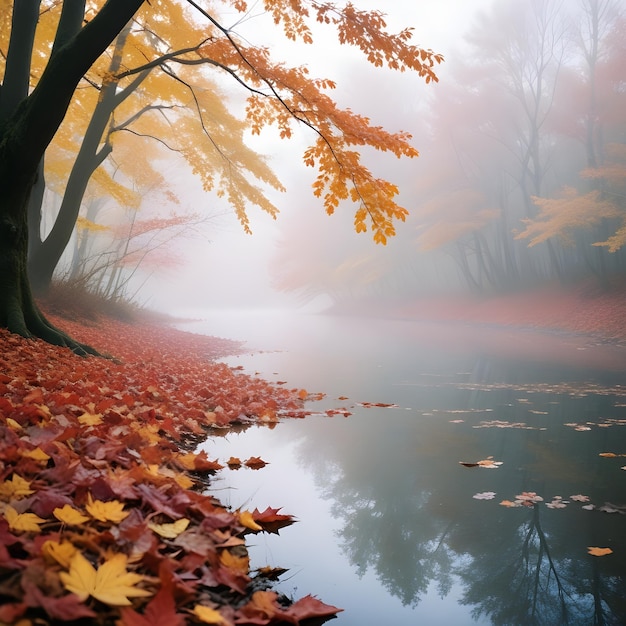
[[599, 551]]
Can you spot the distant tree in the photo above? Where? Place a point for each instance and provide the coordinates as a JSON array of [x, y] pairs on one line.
[[277, 94]]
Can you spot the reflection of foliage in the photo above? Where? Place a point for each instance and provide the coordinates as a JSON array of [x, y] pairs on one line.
[[408, 515], [405, 558]]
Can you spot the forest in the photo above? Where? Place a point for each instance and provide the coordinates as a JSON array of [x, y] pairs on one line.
[[521, 178]]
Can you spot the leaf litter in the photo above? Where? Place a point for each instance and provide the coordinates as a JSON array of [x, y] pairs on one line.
[[103, 513]]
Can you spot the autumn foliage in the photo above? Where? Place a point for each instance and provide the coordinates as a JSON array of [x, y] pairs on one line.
[[102, 512]]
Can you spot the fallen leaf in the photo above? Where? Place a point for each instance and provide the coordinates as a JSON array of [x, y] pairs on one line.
[[111, 511], [579, 498], [208, 615], [110, 583], [594, 551], [15, 488], [36, 454], [510, 504], [90, 419], [22, 522], [246, 519], [170, 531], [485, 495], [70, 516], [62, 553], [255, 462]]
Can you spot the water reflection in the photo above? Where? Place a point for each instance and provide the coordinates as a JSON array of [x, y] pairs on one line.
[[403, 508]]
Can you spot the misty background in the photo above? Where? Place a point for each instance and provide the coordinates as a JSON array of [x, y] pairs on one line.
[[530, 100]]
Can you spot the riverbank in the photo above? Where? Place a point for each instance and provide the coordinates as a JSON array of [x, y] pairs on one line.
[[584, 309], [104, 517]]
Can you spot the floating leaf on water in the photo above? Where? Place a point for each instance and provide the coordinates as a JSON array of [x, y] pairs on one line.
[[485, 495], [599, 551]]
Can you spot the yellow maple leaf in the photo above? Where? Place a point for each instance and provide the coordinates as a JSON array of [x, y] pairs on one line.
[[90, 419], [110, 583], [26, 522], [246, 519], [111, 511], [15, 488], [37, 454], [62, 552], [13, 425], [170, 531], [235, 562], [69, 515], [208, 615], [594, 551]]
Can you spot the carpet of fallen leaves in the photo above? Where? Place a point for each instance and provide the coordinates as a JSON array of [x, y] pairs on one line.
[[103, 515]]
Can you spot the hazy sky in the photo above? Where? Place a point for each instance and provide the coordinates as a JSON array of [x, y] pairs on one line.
[[231, 269]]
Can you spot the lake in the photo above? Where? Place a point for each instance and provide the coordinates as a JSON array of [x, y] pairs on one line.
[[475, 470]]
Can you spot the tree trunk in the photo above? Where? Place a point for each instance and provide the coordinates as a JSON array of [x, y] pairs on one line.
[[44, 257], [27, 125]]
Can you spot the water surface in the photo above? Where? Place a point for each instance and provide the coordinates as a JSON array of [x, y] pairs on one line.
[[389, 527]]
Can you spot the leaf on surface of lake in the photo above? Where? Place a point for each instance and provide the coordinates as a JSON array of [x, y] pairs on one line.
[[485, 495], [594, 551]]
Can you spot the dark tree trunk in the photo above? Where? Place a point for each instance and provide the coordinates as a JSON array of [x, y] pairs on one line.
[[27, 125], [45, 255]]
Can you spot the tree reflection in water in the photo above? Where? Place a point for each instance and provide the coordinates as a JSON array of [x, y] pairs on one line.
[[407, 512]]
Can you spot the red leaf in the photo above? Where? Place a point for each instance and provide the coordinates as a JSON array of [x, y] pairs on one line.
[[306, 608]]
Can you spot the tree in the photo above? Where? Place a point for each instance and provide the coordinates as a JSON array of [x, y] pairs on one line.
[[277, 94]]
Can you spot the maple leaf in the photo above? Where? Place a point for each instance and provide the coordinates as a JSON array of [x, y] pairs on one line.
[[255, 462], [246, 519], [15, 488], [36, 454], [110, 583], [170, 531], [70, 516], [594, 551], [209, 616], [24, 522], [309, 607], [485, 495], [90, 419], [233, 561], [111, 511], [510, 504], [62, 553]]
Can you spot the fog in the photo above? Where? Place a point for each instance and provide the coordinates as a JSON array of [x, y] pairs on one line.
[[226, 268], [520, 110]]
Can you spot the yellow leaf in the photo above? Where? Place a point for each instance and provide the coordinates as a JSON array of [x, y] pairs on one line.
[[13, 425], [110, 583], [599, 551], [234, 562], [15, 488], [62, 552], [246, 519], [208, 615], [170, 531], [187, 461], [26, 522], [90, 419], [69, 515], [37, 454], [111, 511]]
